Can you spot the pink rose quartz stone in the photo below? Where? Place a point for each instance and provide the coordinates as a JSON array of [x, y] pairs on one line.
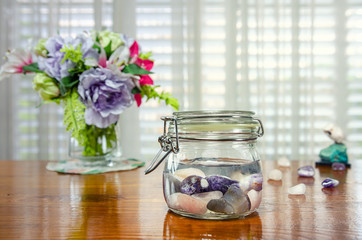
[[255, 199], [184, 202]]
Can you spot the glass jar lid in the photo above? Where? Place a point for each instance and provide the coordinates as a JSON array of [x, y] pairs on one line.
[[215, 126]]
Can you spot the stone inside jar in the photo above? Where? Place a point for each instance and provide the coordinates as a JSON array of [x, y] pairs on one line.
[[206, 188]]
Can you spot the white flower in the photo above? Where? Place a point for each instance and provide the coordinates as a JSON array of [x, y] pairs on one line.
[[17, 59]]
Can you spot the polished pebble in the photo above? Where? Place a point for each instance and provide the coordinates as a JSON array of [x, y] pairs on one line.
[[220, 206], [337, 166], [297, 189], [306, 171], [208, 196], [184, 202], [219, 183], [255, 199], [275, 175], [330, 183], [245, 184], [194, 184], [234, 201], [244, 180], [236, 197]]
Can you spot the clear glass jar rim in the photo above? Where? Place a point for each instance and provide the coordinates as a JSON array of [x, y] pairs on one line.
[[215, 125], [213, 113]]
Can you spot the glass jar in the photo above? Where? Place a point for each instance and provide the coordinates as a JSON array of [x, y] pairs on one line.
[[212, 168]]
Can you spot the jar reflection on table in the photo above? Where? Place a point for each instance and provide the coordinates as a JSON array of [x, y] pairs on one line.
[[177, 227], [216, 172]]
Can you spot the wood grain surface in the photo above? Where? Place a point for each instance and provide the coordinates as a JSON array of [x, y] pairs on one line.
[[39, 204]]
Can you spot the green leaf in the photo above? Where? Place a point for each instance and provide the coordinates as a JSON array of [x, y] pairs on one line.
[[91, 136], [135, 70], [145, 55], [151, 93], [97, 47], [74, 115], [73, 54], [135, 90], [69, 81], [108, 49], [62, 89], [33, 67]]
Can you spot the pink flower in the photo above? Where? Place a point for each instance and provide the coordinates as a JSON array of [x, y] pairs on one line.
[[145, 80], [134, 54], [17, 59], [134, 49], [138, 99], [143, 63]]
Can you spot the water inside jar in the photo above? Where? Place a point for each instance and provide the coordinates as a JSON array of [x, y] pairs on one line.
[[214, 188]]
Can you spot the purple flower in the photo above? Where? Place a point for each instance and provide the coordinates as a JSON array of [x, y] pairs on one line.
[[87, 44], [105, 94], [52, 64]]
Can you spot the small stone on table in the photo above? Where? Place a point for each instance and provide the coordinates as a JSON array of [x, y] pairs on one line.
[[297, 189], [275, 175], [330, 183], [306, 171]]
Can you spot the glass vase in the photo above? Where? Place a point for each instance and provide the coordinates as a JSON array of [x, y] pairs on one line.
[[94, 146]]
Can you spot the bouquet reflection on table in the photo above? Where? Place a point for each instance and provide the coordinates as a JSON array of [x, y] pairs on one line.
[[95, 206]]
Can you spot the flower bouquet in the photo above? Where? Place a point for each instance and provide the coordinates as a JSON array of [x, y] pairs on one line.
[[95, 76]]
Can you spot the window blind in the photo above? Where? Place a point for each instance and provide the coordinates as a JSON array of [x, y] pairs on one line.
[[297, 64]]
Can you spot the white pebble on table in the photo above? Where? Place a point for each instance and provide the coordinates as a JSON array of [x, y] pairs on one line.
[[297, 189]]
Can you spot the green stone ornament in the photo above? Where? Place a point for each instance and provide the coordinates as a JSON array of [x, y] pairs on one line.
[[336, 152]]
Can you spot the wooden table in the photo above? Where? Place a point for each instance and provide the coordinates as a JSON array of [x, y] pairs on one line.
[[39, 204]]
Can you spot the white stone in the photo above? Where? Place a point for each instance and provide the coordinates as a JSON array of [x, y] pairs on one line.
[[207, 196], [255, 199], [245, 184], [284, 162], [334, 132], [275, 175], [181, 174], [244, 180], [297, 189]]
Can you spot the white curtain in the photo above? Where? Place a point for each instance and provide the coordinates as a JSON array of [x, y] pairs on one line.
[[297, 64]]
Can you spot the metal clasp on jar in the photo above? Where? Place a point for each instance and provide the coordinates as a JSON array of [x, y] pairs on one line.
[[167, 145]]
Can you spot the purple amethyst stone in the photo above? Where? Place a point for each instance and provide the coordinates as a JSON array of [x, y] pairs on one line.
[[306, 171], [337, 166], [219, 183], [194, 184], [330, 183]]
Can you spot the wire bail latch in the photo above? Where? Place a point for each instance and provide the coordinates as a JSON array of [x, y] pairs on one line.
[[166, 143]]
